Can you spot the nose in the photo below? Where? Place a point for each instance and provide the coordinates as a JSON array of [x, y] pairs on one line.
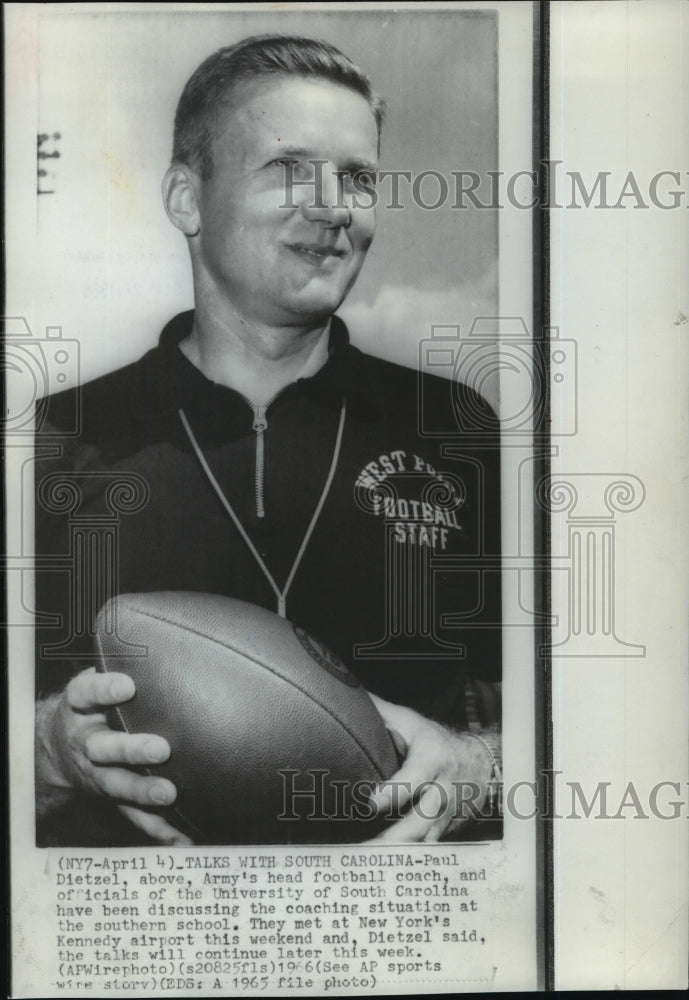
[[326, 202]]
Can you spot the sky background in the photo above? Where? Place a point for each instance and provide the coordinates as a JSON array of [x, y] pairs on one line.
[[112, 269]]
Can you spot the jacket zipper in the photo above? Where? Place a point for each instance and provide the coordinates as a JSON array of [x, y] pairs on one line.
[[260, 426]]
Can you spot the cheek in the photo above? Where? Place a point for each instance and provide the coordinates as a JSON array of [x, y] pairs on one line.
[[245, 216], [267, 207], [363, 228]]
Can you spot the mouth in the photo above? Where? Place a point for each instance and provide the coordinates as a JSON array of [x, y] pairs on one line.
[[314, 252]]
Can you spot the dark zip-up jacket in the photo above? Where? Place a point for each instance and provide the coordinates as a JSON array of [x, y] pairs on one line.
[[401, 574]]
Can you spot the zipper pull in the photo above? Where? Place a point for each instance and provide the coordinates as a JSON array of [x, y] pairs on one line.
[[260, 420]]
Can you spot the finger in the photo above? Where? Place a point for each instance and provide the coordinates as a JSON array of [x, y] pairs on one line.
[[399, 717], [411, 829], [90, 691], [400, 744], [105, 746], [441, 827], [391, 797], [156, 827], [431, 813], [421, 765], [137, 789], [440, 824]]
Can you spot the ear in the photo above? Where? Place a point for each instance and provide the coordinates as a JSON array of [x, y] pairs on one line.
[[180, 199]]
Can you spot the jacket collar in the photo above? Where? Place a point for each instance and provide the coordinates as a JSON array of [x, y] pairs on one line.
[[171, 381]]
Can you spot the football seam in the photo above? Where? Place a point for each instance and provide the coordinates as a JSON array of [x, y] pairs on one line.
[[173, 808], [259, 663]]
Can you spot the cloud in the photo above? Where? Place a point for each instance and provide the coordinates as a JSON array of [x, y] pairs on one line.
[[396, 323]]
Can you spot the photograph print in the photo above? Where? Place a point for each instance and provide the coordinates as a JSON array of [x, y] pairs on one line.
[[269, 519]]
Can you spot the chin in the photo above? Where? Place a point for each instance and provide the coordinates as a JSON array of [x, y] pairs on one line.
[[317, 308]]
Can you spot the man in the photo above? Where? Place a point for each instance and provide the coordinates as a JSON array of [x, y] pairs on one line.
[[275, 462]]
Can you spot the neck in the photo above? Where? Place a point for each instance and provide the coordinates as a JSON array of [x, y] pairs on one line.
[[254, 360]]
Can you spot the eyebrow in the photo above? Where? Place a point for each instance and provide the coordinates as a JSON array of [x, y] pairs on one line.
[[355, 163]]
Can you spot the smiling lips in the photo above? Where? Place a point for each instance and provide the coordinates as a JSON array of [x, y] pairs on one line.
[[314, 251]]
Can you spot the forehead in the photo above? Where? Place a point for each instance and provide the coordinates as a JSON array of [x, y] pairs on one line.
[[281, 111]]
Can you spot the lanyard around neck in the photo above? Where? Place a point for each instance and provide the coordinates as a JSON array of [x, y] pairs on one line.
[[281, 595]]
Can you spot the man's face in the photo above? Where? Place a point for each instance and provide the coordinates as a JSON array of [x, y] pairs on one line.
[[285, 266]]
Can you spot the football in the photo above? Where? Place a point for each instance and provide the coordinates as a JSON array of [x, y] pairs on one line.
[[273, 739]]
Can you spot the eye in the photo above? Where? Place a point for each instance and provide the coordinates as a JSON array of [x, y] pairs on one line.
[[291, 168], [358, 179], [364, 178]]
